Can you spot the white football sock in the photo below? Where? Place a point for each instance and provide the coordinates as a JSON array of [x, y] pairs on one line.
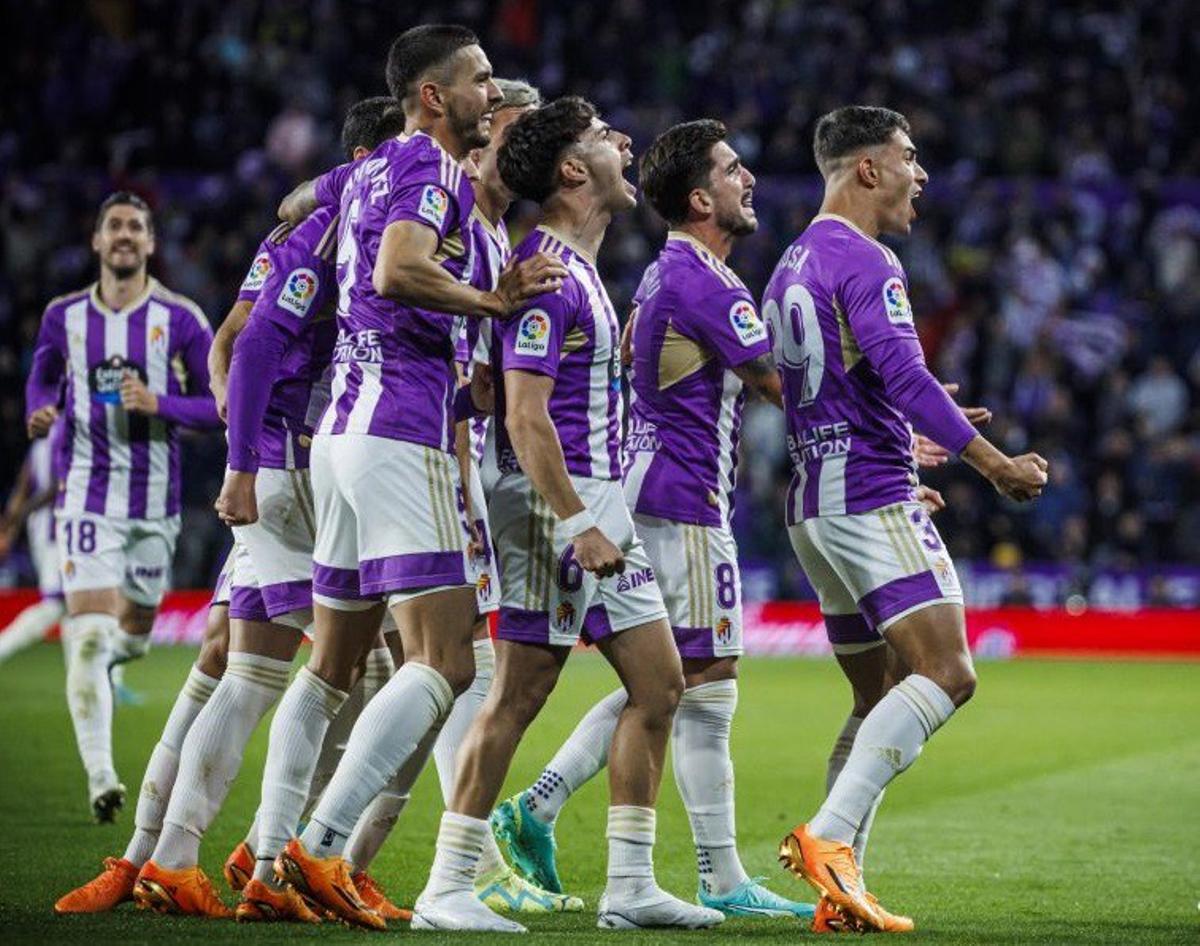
[[128, 646], [159, 778], [391, 728], [704, 776], [87, 643], [630, 850], [212, 753], [888, 742], [377, 671], [296, 734], [379, 817], [460, 843], [30, 626], [837, 759], [583, 755], [466, 708]]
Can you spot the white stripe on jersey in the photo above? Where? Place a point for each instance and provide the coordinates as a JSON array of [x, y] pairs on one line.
[[158, 316], [116, 344], [370, 389], [600, 373], [76, 319], [831, 486], [730, 389], [337, 388]]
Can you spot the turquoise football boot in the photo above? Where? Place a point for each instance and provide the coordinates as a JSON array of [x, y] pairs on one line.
[[528, 843], [753, 899]]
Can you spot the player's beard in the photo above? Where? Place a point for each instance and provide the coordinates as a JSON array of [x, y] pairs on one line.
[[124, 272], [467, 128], [737, 223]]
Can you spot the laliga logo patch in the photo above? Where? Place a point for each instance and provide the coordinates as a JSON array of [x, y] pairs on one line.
[[434, 204], [895, 301], [298, 292], [564, 615], [533, 333], [746, 323], [260, 269]]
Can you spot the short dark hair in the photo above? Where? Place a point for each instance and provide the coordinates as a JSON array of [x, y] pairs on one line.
[[678, 161], [529, 158], [371, 122], [846, 130], [415, 51], [128, 199]]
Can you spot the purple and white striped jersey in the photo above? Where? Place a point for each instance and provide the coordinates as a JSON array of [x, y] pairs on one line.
[[853, 373], [490, 250], [120, 464], [393, 364], [695, 321], [572, 336], [279, 378]]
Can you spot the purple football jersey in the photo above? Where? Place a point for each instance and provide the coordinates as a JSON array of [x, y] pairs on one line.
[[490, 250], [694, 322], [393, 364], [122, 464], [274, 406], [572, 336], [847, 351]]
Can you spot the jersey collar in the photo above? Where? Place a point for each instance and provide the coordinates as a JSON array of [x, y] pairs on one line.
[[140, 300]]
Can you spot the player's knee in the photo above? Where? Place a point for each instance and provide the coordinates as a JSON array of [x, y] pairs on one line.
[[460, 674], [658, 702], [957, 680]]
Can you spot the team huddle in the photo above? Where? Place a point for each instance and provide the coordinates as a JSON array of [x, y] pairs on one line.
[[425, 426]]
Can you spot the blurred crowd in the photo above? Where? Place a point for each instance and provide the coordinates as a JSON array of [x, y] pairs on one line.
[[1055, 267]]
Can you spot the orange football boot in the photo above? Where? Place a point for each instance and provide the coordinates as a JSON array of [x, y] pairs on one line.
[[829, 919], [187, 892], [892, 922], [239, 867], [374, 897], [114, 885], [326, 881], [830, 868], [261, 904]]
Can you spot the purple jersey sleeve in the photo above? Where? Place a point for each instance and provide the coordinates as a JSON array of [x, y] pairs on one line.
[[532, 340], [876, 303], [729, 324], [49, 362], [329, 186], [428, 203], [290, 297], [196, 408], [259, 270]]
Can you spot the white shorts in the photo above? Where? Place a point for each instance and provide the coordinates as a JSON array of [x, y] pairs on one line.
[[132, 555], [483, 572], [546, 597], [273, 558], [872, 569], [389, 518], [43, 550], [701, 586]]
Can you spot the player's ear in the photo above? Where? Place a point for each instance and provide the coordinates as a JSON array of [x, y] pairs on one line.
[[573, 171], [700, 201], [359, 152], [431, 97], [96, 240], [868, 171]]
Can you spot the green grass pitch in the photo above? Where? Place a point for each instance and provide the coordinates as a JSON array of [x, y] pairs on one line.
[[1062, 806]]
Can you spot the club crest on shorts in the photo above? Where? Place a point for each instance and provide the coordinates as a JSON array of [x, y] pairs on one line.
[[533, 334], [895, 301], [723, 630], [748, 327], [434, 205], [298, 292], [483, 584], [564, 616]]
